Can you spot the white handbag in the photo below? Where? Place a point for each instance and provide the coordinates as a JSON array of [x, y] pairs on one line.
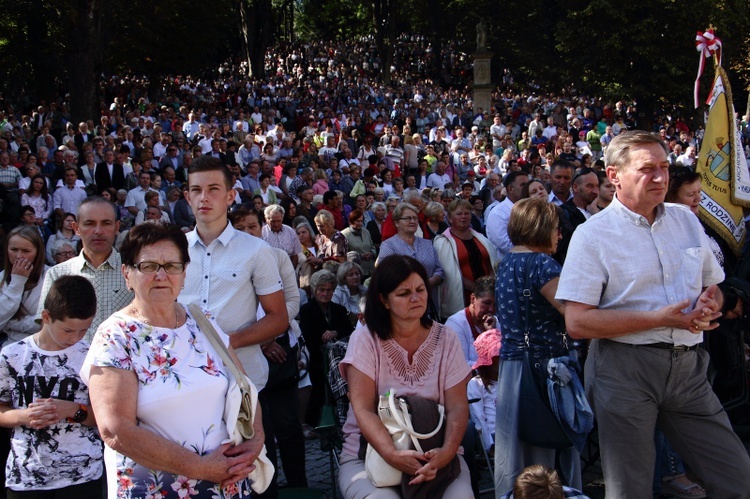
[[395, 416], [242, 397]]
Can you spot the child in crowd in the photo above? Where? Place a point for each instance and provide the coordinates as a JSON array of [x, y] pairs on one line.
[[56, 451], [482, 388], [540, 482]]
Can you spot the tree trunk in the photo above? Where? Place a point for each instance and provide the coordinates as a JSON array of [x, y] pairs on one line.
[[385, 27], [256, 31], [245, 34], [39, 55], [85, 58]]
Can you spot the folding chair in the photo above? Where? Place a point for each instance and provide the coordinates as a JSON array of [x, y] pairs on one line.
[[334, 408], [479, 442]]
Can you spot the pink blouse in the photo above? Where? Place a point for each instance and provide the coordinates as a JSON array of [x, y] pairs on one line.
[[437, 365]]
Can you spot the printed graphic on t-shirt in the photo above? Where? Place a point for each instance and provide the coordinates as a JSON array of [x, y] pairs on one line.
[[62, 454]]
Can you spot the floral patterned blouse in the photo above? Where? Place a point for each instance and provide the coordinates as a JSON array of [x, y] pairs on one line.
[[182, 385]]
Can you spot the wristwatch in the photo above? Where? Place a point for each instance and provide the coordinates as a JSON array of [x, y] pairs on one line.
[[80, 416]]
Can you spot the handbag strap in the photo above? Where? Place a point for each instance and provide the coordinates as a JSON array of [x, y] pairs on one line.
[[526, 292], [213, 337], [406, 425]]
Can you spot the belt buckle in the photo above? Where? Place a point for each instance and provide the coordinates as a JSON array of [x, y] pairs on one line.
[[681, 348]]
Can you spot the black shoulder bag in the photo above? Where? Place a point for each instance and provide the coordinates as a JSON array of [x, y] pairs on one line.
[[537, 424]]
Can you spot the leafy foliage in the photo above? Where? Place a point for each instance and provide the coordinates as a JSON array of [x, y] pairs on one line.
[[604, 47]]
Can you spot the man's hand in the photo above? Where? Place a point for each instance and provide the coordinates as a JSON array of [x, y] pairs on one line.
[[709, 304], [695, 321], [274, 352]]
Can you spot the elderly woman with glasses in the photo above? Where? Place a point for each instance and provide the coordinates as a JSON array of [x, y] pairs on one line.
[[406, 242], [149, 366]]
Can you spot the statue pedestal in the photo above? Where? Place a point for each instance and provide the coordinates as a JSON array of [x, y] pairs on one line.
[[482, 81]]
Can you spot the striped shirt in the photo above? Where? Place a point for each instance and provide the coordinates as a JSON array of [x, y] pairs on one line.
[[286, 239]]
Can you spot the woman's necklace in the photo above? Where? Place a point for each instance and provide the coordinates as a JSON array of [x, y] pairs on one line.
[[140, 317]]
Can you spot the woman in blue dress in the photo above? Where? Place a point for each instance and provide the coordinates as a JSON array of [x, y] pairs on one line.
[[534, 230]]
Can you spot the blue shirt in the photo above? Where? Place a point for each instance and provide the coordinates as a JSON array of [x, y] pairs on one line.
[[546, 326]]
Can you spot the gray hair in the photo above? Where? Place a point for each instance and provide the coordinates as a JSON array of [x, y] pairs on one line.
[[618, 151], [322, 277], [377, 204], [302, 220], [344, 269], [433, 209], [412, 196], [271, 209], [58, 245]]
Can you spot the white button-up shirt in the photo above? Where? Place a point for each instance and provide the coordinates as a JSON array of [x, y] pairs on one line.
[[497, 228], [617, 261], [226, 277], [67, 199]]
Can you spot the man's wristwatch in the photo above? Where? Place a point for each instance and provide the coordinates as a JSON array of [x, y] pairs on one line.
[[80, 416]]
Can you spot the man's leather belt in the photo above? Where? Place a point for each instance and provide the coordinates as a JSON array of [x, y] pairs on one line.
[[670, 346]]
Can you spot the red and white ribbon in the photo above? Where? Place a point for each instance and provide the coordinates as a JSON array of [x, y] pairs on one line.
[[707, 44]]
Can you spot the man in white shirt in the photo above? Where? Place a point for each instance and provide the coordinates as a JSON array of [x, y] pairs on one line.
[[550, 130], [497, 131], [241, 125], [67, 198], [229, 275], [136, 201], [498, 218], [160, 148], [438, 178], [640, 281]]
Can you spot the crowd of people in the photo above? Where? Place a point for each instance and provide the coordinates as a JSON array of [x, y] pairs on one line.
[[318, 208]]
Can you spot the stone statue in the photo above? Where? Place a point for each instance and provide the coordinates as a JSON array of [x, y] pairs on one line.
[[481, 35]]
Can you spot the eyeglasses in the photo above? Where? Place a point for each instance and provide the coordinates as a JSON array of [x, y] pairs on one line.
[[409, 219], [65, 253], [153, 267]]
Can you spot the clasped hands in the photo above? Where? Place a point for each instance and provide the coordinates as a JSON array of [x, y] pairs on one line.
[[707, 309], [422, 467], [42, 413]]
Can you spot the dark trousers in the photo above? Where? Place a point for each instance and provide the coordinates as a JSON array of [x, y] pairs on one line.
[[88, 490], [273, 490], [283, 408]]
